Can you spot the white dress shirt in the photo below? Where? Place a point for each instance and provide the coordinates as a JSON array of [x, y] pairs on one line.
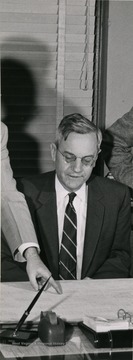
[[80, 205]]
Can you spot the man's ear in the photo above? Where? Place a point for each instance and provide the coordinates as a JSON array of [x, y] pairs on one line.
[[53, 150]]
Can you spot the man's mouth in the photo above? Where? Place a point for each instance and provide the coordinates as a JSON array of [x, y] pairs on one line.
[[75, 176]]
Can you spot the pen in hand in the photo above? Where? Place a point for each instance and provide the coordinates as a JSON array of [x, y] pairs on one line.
[[26, 313]]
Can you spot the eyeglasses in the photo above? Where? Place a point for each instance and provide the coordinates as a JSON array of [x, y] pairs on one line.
[[86, 160]]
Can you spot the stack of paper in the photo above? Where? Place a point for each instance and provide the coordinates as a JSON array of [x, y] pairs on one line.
[[100, 324]]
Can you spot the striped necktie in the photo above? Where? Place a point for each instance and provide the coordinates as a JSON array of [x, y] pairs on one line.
[[67, 257]]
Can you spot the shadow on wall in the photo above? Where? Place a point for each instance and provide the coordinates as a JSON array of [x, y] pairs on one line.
[[19, 102], [24, 68], [20, 86]]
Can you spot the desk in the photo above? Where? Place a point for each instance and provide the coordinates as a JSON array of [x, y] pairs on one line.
[[96, 297]]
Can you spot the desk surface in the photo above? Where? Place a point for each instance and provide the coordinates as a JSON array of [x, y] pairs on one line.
[[96, 297]]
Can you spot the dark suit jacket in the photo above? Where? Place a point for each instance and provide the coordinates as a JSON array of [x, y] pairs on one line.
[[106, 243], [11, 270]]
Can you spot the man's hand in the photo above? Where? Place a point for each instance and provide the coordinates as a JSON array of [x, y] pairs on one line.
[[36, 270]]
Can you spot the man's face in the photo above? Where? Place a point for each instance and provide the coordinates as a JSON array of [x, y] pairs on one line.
[[72, 175]]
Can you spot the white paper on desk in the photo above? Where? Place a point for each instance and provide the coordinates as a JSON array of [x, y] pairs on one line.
[[92, 297], [16, 297]]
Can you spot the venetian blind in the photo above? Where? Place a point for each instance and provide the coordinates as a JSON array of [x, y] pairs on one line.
[[47, 51]]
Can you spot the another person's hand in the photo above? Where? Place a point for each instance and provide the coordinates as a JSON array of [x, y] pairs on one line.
[[37, 272]]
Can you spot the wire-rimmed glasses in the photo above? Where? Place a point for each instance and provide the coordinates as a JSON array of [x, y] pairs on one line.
[[88, 160]]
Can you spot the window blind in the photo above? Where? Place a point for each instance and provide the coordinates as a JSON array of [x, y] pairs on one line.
[[47, 56], [79, 46]]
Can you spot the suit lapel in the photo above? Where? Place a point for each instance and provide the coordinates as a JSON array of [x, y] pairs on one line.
[[94, 220], [47, 218]]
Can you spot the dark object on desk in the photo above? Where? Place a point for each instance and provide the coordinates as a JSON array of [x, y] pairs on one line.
[[111, 339], [22, 337], [51, 329], [99, 340]]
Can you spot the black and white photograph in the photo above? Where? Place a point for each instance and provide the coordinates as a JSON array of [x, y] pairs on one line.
[[66, 253]]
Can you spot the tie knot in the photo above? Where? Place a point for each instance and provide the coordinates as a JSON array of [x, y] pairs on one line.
[[71, 197]]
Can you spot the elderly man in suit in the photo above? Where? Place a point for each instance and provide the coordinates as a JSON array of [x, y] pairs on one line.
[[102, 206], [87, 236]]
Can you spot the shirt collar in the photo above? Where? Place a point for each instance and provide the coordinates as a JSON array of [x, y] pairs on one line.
[[62, 192]]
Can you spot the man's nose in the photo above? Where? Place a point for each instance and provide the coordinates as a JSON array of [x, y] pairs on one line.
[[77, 165]]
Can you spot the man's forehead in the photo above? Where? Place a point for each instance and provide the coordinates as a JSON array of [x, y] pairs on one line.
[[74, 140]]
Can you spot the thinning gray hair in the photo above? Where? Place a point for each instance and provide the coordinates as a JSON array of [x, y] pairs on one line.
[[79, 124]]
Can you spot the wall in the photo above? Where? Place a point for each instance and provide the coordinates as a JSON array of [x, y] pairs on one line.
[[119, 98], [47, 49]]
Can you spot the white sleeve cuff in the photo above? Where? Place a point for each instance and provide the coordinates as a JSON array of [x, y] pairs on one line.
[[19, 256]]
